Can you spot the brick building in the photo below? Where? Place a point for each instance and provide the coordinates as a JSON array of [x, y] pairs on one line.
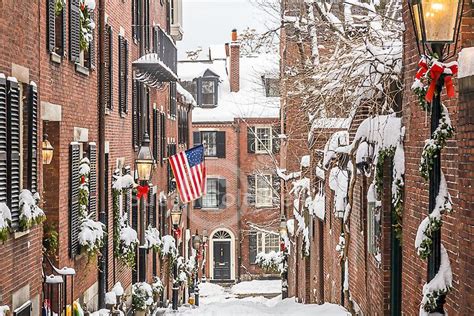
[[384, 274], [72, 104], [237, 119]]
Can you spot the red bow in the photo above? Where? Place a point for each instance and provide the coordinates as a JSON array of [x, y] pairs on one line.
[[142, 190], [83, 179], [282, 246], [435, 71], [177, 232]]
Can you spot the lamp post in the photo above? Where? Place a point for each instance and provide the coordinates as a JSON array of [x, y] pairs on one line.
[[436, 24], [204, 244], [197, 243], [176, 213], [47, 150], [144, 166], [284, 274]]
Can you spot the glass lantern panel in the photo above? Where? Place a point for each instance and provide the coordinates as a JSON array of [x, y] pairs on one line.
[[439, 17]]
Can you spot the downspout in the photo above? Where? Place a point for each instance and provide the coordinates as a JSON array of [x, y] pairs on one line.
[[102, 184], [239, 205]]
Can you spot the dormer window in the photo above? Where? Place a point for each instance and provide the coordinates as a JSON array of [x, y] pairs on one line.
[[272, 87], [208, 92]]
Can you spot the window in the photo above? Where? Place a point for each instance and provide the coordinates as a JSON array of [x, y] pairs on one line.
[[182, 126], [267, 242], [136, 19], [123, 74], [172, 99], [210, 144], [215, 197], [208, 92], [272, 87], [263, 140], [373, 228], [56, 27], [263, 189], [210, 200]]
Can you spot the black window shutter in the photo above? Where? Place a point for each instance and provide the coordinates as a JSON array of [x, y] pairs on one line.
[[155, 39], [150, 209], [63, 39], [120, 72], [127, 205], [134, 18], [163, 137], [74, 181], [135, 114], [276, 189], [125, 79], [93, 178], [13, 145], [276, 139], [220, 142], [108, 82], [74, 29], [32, 138], [251, 140], [92, 44], [51, 25], [222, 193], [134, 220], [252, 246], [3, 140], [155, 135], [173, 99], [251, 189], [146, 12], [139, 20], [197, 138], [198, 203], [199, 91]]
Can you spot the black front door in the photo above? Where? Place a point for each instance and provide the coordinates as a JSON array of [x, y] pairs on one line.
[[222, 260]]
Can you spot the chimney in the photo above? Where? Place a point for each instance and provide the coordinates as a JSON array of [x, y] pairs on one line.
[[234, 63]]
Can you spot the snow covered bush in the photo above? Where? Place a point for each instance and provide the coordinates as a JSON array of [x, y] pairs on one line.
[[152, 239], [59, 6], [128, 244], [142, 296], [270, 262], [168, 249], [4, 310], [5, 222], [30, 213], [157, 286]]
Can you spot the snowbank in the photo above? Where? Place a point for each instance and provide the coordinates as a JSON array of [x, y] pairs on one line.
[[257, 287], [466, 62]]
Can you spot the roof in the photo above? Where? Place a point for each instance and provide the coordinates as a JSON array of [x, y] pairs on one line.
[[250, 101]]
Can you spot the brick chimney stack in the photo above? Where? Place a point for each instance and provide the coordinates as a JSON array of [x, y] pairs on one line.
[[234, 71]]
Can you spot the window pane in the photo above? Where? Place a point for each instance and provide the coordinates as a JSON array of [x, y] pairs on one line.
[[272, 243], [209, 141], [263, 140], [272, 87], [263, 190], [208, 92], [210, 199], [259, 242]]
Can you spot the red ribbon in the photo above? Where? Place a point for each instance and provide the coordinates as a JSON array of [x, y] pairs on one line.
[[142, 190], [423, 68], [435, 72], [83, 179], [282, 246], [177, 232]]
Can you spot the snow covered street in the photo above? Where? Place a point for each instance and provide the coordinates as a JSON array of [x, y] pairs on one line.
[[217, 300]]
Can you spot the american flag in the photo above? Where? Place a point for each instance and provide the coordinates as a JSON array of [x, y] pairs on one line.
[[190, 173]]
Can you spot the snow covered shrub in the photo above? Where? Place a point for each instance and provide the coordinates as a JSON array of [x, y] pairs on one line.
[[30, 213], [59, 6], [128, 244], [153, 240], [91, 236], [142, 296], [270, 262], [4, 310], [5, 222], [157, 286], [168, 249]]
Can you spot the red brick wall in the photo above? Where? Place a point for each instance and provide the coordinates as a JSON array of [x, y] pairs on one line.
[[20, 256]]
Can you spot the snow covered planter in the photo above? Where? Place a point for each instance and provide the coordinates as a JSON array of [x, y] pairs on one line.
[[30, 213], [270, 262], [91, 232], [157, 288], [5, 222], [142, 297], [87, 25], [125, 237], [168, 249], [152, 238]]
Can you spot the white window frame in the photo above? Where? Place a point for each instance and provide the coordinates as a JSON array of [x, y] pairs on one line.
[[214, 88], [262, 242], [266, 201], [260, 146], [206, 145], [208, 180]]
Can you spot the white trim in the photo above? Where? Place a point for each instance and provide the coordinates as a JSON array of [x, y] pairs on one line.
[[232, 252], [260, 143]]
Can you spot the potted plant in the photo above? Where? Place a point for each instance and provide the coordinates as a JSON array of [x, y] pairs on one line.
[[142, 298]]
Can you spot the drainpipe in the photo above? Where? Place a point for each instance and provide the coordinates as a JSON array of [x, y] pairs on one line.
[[102, 184], [239, 205]]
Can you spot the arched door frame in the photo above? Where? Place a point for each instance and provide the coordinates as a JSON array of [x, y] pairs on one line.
[[232, 252]]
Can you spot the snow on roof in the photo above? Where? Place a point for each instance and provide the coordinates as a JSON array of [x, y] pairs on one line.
[[251, 100], [217, 52], [187, 97]]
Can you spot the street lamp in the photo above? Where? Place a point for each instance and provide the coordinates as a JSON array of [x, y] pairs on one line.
[[176, 213], [284, 274], [144, 164], [47, 150], [436, 24], [197, 244], [204, 242]]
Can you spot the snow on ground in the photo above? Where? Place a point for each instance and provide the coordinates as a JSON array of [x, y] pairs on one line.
[[257, 287], [216, 301]]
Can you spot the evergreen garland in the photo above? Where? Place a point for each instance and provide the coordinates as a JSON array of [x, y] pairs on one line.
[[87, 26], [424, 250]]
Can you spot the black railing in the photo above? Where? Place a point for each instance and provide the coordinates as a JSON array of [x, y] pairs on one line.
[[163, 46]]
